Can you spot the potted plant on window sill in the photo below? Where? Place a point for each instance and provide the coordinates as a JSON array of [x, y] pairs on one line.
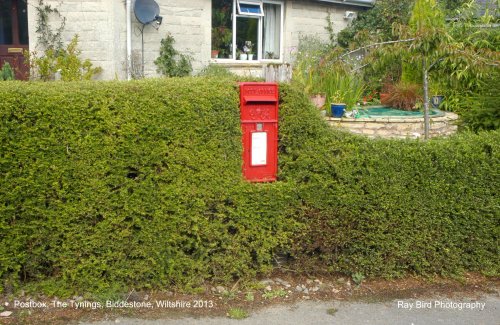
[[247, 49], [241, 55]]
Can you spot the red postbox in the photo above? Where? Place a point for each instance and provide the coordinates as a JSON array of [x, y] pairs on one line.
[[259, 123]]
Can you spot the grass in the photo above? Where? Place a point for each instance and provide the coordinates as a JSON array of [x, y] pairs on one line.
[[332, 311], [249, 297], [274, 294], [237, 313]]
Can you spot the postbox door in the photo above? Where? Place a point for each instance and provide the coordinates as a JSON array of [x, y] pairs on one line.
[[260, 159]]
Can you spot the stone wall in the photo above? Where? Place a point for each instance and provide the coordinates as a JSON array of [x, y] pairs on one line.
[[387, 127]]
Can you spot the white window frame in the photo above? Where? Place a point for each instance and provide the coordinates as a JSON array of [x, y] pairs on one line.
[[259, 36], [252, 3]]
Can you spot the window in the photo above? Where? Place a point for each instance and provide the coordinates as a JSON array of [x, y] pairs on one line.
[[250, 8], [6, 22], [13, 22], [247, 29]]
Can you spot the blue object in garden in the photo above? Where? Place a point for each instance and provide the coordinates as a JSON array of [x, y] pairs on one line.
[[338, 110], [436, 101]]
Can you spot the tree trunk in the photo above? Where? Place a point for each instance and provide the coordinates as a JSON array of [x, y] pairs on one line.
[[427, 125]]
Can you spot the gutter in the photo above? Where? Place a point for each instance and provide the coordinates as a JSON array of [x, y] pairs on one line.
[[129, 39], [358, 3]]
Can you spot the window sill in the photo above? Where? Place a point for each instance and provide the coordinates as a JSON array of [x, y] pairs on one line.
[[249, 63]]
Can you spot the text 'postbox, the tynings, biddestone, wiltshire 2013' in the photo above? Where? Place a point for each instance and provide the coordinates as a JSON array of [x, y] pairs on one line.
[[259, 124]]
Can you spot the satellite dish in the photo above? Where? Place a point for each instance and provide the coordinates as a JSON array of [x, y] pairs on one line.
[[146, 11]]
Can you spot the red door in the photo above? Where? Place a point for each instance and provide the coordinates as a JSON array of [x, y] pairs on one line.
[[14, 35]]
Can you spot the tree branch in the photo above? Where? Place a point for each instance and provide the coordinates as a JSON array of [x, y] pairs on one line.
[[376, 44]]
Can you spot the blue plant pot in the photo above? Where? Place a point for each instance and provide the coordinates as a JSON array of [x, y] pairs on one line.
[[436, 101], [338, 110]]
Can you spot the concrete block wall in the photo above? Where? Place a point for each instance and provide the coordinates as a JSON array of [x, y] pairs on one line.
[[97, 22], [303, 17], [189, 22]]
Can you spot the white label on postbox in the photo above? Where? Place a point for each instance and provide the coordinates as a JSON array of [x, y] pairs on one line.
[[259, 149]]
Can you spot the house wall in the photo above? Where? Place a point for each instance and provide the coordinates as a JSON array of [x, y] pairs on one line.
[[101, 26], [304, 17]]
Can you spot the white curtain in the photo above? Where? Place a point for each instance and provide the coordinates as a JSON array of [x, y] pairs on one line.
[[271, 35]]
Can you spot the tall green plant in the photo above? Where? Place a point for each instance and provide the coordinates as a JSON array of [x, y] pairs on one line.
[[171, 63], [306, 69], [6, 73], [65, 61], [343, 88]]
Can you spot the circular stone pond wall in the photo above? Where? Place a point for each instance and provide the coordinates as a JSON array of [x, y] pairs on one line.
[[397, 127]]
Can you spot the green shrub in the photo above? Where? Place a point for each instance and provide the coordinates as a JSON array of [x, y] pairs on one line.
[[171, 63], [481, 111], [66, 61], [216, 70], [110, 185], [387, 207], [6, 73], [135, 183]]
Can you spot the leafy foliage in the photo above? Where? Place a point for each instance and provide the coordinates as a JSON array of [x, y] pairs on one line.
[[216, 70], [404, 95], [55, 57], [131, 184], [6, 73], [48, 37], [481, 110], [342, 87], [308, 58], [109, 185], [171, 63], [65, 61], [389, 208], [376, 24]]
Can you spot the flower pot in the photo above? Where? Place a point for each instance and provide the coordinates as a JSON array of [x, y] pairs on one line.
[[338, 109], [243, 56], [437, 100], [215, 54], [250, 56], [318, 100], [384, 97]]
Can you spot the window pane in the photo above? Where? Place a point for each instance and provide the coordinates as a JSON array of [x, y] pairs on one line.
[[22, 14], [272, 31], [247, 8], [6, 22], [247, 35], [222, 34]]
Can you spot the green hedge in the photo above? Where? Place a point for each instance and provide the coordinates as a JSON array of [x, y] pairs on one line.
[[138, 184], [392, 207]]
